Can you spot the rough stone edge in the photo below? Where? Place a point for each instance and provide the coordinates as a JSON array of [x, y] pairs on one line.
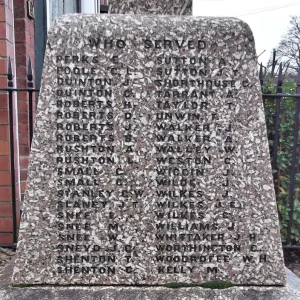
[[290, 292], [151, 7]]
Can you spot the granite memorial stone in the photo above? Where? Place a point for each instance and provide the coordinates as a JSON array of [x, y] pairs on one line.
[[150, 161], [174, 7]]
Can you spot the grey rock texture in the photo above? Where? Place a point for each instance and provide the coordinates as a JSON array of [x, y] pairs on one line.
[[150, 7], [150, 160], [290, 292]]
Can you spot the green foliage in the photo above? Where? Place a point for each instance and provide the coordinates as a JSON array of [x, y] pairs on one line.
[[178, 285], [20, 285], [207, 285], [217, 285], [284, 156]]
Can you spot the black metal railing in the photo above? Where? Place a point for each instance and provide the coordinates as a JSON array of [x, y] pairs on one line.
[[288, 223], [11, 89], [276, 99]]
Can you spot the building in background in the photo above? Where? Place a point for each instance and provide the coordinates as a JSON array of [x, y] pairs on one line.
[[46, 11], [23, 34]]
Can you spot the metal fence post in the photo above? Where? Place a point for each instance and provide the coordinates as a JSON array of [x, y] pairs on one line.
[[277, 123], [10, 88], [30, 91], [294, 161]]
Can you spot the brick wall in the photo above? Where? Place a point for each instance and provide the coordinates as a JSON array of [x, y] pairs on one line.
[[17, 42], [7, 49], [24, 41]]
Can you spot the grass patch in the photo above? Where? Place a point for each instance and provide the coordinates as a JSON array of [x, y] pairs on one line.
[[21, 285], [207, 285], [178, 285], [217, 285]]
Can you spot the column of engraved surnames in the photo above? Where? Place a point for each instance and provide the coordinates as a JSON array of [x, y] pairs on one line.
[[191, 119], [85, 150]]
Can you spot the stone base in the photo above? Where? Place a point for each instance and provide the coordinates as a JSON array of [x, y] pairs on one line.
[[290, 292]]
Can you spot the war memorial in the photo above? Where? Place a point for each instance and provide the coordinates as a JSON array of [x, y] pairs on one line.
[[150, 166]]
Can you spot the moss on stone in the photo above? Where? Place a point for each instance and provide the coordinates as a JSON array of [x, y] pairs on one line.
[[207, 285]]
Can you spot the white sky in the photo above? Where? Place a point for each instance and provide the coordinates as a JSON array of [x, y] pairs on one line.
[[268, 19]]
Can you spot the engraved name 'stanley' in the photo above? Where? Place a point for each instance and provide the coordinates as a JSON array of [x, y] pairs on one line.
[[150, 161]]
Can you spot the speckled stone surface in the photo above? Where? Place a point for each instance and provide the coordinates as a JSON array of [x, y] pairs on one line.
[[149, 7], [289, 292], [150, 160]]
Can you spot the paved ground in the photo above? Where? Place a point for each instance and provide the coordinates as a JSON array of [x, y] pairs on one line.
[[6, 265], [292, 260], [291, 292]]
